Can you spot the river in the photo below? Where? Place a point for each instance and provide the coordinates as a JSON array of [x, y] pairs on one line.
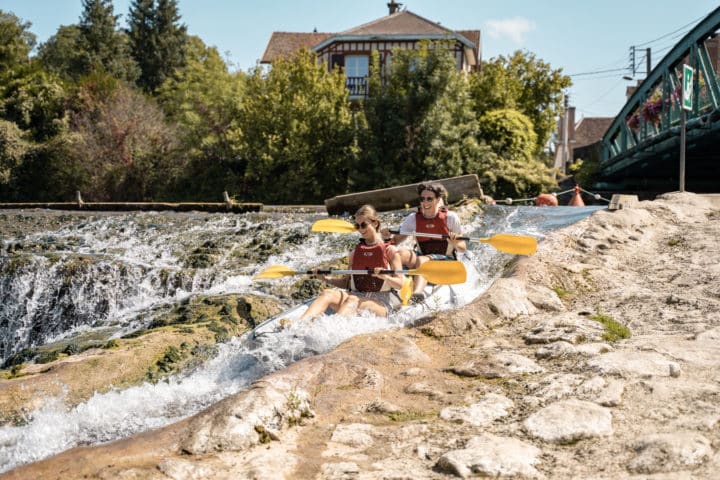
[[65, 273]]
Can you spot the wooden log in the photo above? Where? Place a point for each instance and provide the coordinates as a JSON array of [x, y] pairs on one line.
[[404, 196]]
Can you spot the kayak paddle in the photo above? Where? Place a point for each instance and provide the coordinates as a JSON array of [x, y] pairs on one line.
[[505, 242], [440, 272]]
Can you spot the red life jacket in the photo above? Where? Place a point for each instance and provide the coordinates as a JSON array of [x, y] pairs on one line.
[[437, 225], [369, 257]]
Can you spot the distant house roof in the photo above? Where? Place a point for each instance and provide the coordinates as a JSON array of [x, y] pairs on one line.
[[284, 44], [590, 130], [398, 25]]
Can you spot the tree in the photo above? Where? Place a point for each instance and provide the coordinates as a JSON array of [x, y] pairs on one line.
[[523, 83], [16, 43], [36, 103], [419, 120], [295, 132], [62, 53], [123, 142], [101, 46], [12, 149], [509, 133], [203, 99], [157, 41]]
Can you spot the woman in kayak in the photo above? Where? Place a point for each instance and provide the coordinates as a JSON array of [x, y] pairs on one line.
[[432, 217], [376, 292]]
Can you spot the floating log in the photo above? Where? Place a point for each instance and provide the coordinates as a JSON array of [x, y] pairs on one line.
[[404, 196]]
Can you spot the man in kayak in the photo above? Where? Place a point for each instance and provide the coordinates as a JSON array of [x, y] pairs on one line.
[[432, 217], [376, 292]]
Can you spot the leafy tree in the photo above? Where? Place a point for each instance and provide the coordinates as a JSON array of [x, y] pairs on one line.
[[524, 83], [509, 133], [51, 172], [419, 119], [12, 149], [203, 99], [101, 46], [122, 141], [295, 131], [62, 53], [36, 103], [157, 40], [16, 43]]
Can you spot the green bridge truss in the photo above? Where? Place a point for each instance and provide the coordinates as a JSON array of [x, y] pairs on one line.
[[641, 148]]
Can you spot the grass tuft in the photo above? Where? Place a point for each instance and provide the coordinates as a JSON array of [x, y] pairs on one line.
[[614, 330]]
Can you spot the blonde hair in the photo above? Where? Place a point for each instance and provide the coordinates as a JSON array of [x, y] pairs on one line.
[[369, 212]]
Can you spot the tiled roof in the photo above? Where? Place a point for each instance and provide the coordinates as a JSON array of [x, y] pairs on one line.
[[284, 44], [590, 130], [403, 22]]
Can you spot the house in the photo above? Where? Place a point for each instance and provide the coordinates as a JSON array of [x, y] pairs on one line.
[[351, 49], [582, 140]]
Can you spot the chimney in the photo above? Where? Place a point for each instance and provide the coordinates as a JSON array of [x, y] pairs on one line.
[[393, 7], [571, 124]]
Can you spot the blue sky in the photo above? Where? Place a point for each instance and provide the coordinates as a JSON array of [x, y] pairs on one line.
[[579, 36]]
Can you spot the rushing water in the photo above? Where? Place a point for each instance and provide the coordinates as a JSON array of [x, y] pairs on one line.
[[116, 271]]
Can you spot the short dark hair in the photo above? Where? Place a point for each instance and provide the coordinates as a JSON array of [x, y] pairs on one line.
[[437, 188]]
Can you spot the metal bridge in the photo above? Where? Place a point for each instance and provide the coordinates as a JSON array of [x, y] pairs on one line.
[[641, 148]]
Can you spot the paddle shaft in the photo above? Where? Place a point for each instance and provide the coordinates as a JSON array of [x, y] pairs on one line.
[[358, 272], [435, 235]]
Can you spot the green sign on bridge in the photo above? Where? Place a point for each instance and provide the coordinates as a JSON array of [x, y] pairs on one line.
[[687, 88]]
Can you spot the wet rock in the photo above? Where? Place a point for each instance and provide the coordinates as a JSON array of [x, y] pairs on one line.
[[567, 421], [231, 424]]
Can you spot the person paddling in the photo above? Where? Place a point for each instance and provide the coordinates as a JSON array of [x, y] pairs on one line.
[[432, 217], [376, 293]]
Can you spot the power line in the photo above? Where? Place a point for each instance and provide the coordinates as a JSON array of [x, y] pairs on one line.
[[597, 72], [671, 33]]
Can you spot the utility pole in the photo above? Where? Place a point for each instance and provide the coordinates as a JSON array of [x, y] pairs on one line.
[[565, 136], [648, 63]]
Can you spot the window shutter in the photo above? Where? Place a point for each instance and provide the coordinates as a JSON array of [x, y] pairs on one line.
[[337, 59]]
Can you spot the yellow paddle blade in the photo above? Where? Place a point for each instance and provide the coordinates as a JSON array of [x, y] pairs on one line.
[[515, 244], [333, 225], [274, 271], [407, 290], [442, 272]]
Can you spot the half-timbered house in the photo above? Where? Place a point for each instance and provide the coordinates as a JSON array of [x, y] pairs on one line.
[[351, 49]]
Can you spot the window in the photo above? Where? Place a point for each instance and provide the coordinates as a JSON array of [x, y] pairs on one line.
[[357, 65]]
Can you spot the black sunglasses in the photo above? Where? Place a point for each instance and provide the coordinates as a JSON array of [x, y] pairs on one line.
[[358, 226]]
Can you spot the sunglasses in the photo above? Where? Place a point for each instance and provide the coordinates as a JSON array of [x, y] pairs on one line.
[[358, 226], [427, 199]]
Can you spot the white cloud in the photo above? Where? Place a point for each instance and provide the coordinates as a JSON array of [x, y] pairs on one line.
[[514, 28]]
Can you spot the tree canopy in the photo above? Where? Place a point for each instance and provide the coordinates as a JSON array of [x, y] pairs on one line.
[[149, 112]]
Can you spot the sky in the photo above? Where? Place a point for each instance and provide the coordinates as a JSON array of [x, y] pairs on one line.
[[588, 39]]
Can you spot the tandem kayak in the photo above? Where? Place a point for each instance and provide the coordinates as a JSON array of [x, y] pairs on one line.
[[437, 298]]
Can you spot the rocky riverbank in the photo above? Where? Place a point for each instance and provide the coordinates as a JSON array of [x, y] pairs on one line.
[[598, 357]]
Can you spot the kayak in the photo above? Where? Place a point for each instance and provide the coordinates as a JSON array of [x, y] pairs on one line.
[[437, 297]]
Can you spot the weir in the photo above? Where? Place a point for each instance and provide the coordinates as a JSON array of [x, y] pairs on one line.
[[121, 268]]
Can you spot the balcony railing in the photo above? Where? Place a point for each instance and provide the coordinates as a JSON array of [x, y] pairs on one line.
[[357, 86]]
